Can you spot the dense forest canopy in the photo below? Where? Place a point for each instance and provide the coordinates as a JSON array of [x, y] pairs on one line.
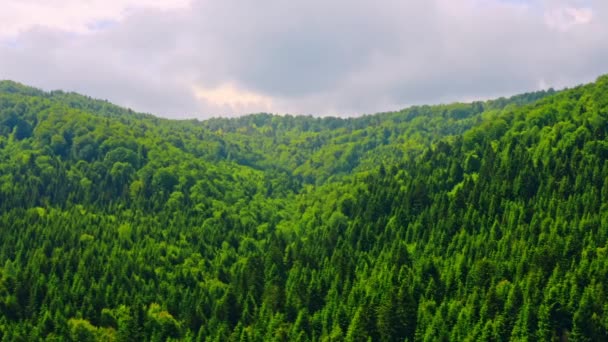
[[484, 221]]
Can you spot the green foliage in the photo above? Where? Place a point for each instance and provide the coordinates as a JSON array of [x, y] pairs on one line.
[[481, 221]]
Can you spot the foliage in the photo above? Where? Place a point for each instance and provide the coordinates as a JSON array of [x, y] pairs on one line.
[[482, 221]]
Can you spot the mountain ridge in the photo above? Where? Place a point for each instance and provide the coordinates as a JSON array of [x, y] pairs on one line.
[[483, 221], [10, 86]]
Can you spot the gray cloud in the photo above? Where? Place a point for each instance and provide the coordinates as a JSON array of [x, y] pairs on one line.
[[340, 57]]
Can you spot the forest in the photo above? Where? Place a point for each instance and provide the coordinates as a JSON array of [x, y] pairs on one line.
[[482, 221]]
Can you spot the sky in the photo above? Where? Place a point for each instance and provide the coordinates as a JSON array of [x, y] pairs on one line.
[[204, 58]]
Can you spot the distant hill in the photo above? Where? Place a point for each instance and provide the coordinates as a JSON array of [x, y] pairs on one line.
[[465, 221]]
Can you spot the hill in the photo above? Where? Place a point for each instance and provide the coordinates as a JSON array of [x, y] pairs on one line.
[[480, 221]]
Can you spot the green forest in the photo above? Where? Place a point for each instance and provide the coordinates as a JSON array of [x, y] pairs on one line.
[[483, 221]]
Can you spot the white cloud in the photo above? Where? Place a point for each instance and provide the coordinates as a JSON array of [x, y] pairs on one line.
[[72, 15], [234, 99], [341, 57], [566, 18]]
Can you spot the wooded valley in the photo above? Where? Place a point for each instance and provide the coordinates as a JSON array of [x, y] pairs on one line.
[[483, 221]]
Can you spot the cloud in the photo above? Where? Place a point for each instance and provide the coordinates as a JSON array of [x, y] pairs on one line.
[[207, 58], [72, 15], [233, 99], [565, 18]]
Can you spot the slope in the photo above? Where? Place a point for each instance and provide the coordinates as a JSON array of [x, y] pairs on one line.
[[475, 221]]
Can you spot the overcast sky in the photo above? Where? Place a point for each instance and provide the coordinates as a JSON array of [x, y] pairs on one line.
[[197, 59]]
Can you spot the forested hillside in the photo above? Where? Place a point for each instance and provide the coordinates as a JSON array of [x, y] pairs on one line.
[[485, 221]]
